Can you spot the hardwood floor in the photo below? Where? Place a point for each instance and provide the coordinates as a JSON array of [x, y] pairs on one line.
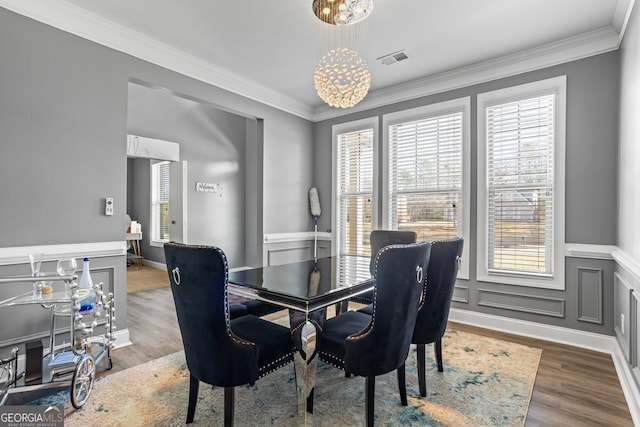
[[153, 328], [145, 277], [574, 387]]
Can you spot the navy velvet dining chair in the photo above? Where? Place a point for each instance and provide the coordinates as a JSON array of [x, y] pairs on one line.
[[378, 239], [433, 313], [372, 345], [219, 351]]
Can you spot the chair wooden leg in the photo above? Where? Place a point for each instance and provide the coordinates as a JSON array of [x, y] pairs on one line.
[[229, 406], [422, 382], [402, 385], [193, 397], [438, 348], [371, 395]]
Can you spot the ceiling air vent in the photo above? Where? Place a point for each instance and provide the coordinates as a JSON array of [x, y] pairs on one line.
[[392, 58]]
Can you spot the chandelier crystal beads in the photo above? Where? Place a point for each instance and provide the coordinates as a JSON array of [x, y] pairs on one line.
[[342, 78]]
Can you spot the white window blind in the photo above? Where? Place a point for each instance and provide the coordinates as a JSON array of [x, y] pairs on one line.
[[354, 190], [426, 176], [520, 186], [160, 201]]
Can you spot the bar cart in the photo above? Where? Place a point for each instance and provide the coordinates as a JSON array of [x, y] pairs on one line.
[[83, 352]]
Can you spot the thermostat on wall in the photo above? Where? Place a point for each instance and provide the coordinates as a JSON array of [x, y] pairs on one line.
[[108, 206]]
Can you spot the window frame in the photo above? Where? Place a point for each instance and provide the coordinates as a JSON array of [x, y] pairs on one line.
[[154, 229], [557, 86], [462, 105], [339, 129]]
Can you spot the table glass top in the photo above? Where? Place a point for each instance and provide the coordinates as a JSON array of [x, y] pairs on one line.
[[310, 283]]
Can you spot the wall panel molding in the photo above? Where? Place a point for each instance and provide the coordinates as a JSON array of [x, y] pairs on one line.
[[627, 262], [622, 318], [580, 250], [590, 294], [281, 248], [20, 254], [285, 255], [553, 307], [461, 294], [295, 237]]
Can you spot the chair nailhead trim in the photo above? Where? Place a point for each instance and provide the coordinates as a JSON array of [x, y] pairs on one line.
[[275, 365], [332, 360]]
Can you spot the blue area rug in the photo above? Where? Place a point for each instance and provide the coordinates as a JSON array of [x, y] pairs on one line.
[[486, 382]]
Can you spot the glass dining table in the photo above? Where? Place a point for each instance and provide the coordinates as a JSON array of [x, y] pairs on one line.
[[306, 288]]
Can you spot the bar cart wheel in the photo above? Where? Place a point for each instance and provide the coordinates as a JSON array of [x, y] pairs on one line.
[[82, 383]]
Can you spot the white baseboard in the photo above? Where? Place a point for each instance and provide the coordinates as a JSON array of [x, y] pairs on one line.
[[122, 338], [627, 382], [588, 340]]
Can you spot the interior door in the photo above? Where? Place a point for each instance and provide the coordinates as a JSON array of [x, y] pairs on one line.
[[178, 201]]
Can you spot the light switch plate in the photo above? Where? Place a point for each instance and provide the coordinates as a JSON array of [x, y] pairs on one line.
[[108, 206]]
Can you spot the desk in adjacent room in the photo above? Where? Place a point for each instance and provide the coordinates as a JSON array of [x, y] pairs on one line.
[[134, 239]]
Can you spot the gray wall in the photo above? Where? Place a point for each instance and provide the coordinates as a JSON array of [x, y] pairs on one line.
[[212, 142], [592, 120], [63, 127], [64, 124]]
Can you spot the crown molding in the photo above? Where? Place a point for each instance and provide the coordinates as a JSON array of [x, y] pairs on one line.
[[559, 52], [621, 17], [72, 19]]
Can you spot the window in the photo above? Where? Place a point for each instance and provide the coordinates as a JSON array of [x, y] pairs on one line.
[[354, 193], [160, 201], [521, 184], [427, 185]]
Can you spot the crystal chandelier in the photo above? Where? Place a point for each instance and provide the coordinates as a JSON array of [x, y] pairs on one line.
[[342, 78], [342, 12]]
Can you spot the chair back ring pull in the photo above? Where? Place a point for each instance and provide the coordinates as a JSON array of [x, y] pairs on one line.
[[176, 275], [419, 274]]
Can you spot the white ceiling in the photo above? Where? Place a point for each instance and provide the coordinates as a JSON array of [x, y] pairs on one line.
[[268, 50]]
